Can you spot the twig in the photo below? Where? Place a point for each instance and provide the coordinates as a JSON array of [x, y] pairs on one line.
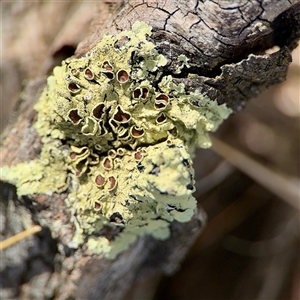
[[278, 184]]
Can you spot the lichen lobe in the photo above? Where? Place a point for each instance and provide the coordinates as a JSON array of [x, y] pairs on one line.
[[119, 137]]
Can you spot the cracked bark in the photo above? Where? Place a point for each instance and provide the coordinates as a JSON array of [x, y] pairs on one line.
[[226, 45]]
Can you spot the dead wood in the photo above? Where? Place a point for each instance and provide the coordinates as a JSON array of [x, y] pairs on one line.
[[227, 46]]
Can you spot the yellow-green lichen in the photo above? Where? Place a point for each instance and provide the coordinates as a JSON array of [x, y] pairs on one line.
[[119, 137], [47, 175]]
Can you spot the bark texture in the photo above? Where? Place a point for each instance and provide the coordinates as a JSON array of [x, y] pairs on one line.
[[218, 38], [226, 44]]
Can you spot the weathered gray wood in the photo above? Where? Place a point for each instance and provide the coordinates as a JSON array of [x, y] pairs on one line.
[[218, 37], [225, 42]]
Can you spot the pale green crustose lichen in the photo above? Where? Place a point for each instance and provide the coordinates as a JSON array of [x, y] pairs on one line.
[[119, 137]]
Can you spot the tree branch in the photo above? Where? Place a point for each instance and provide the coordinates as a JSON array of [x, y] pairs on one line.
[[226, 46]]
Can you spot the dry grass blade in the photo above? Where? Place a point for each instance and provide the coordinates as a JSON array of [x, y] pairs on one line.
[[283, 187], [18, 237]]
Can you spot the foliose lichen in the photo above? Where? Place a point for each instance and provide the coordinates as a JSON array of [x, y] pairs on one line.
[[119, 137]]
